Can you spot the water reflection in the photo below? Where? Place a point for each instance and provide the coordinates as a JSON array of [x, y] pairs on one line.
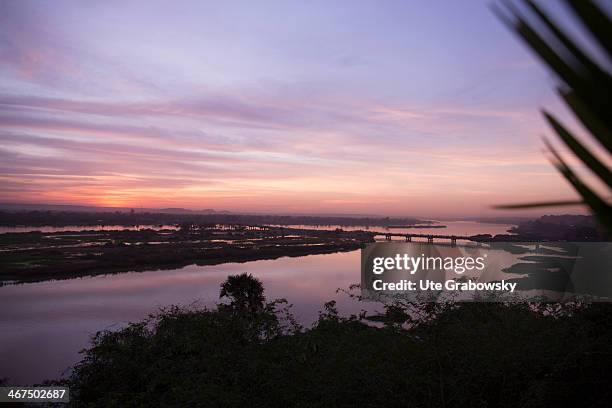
[[452, 228], [43, 325]]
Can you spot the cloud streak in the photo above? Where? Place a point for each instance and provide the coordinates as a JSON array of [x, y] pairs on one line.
[[97, 107]]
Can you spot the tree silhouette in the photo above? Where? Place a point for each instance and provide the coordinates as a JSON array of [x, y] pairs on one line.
[[244, 291]]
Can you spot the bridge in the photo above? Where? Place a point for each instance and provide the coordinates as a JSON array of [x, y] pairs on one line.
[[430, 237]]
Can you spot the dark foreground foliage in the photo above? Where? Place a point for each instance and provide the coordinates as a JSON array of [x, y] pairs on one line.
[[255, 355]]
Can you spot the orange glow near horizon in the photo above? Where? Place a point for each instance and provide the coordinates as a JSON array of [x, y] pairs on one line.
[[402, 118]]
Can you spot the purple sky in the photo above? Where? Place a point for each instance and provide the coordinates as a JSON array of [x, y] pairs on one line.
[[426, 108]]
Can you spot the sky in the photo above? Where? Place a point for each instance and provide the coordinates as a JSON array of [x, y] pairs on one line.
[[415, 108]]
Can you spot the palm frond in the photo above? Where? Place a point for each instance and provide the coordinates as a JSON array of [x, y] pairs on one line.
[[602, 210], [559, 203], [596, 21], [598, 129], [579, 150], [586, 88]]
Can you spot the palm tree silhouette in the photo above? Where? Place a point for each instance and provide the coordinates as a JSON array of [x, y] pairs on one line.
[[244, 291]]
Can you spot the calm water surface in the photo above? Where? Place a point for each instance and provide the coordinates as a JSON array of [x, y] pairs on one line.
[[465, 228], [44, 325]]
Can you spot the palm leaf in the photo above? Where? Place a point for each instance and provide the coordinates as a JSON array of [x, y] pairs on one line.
[[602, 210], [587, 90], [596, 21], [597, 128], [576, 53], [560, 203], [579, 150]]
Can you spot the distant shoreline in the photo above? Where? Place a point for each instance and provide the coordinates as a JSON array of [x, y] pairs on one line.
[[416, 226], [129, 218]]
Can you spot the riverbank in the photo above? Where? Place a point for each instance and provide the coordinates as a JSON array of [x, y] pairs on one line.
[[35, 256]]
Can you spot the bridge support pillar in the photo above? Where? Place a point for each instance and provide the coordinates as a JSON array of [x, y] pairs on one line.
[[408, 238], [430, 240], [453, 240]]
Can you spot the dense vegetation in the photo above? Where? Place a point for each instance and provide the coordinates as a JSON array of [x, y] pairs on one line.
[[251, 353]]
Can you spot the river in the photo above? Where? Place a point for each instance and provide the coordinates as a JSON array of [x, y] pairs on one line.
[[44, 325]]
